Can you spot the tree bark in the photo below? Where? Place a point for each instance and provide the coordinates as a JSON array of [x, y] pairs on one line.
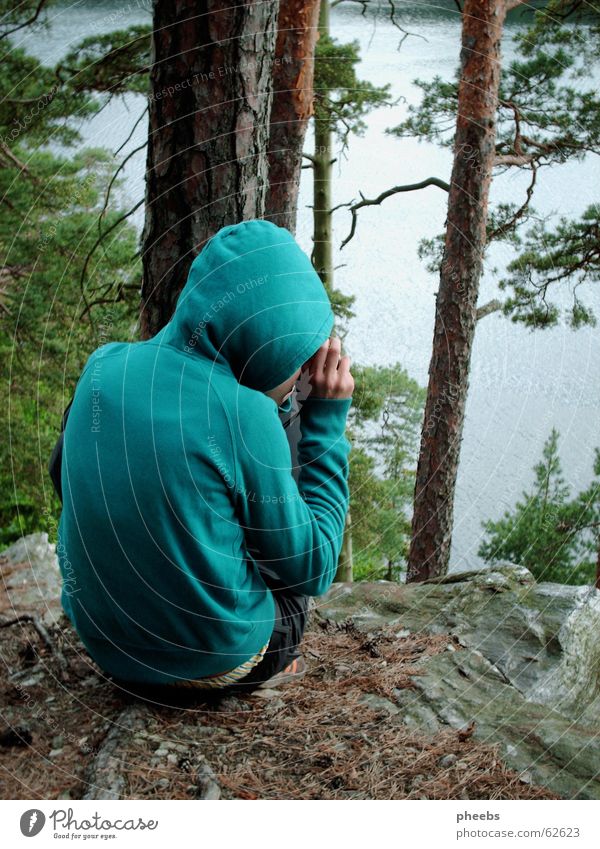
[[322, 258], [322, 169], [293, 96], [209, 109], [456, 306]]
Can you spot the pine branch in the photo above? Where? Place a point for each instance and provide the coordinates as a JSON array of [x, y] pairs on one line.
[[492, 306], [411, 187], [26, 23]]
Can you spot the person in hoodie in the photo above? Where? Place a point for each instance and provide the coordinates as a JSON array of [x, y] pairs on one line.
[[191, 539]]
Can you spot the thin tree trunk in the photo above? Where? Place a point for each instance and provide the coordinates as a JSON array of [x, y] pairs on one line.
[[209, 110], [322, 256], [293, 96], [322, 171], [474, 150], [322, 168], [598, 566]]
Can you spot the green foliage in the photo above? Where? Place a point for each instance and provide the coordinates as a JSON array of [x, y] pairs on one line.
[[35, 106], [55, 309], [434, 117], [115, 63], [341, 99], [555, 24], [380, 520], [554, 535], [543, 120], [52, 315], [540, 117], [15, 16], [386, 414], [570, 253], [341, 306]]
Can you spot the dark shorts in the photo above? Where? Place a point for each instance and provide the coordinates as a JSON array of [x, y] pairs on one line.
[[291, 609], [291, 615]]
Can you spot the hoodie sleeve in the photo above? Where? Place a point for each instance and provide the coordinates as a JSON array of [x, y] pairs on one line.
[[297, 529]]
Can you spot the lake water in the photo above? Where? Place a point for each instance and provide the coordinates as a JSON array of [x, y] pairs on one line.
[[522, 383]]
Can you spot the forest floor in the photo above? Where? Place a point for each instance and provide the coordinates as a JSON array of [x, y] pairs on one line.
[[70, 733]]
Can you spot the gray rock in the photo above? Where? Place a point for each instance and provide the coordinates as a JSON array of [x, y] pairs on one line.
[[31, 578], [27, 677], [205, 781], [574, 684], [106, 775], [534, 634], [528, 672], [265, 694], [380, 703], [525, 666]]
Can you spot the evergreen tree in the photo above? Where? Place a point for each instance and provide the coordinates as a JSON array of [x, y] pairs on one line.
[[76, 250], [546, 111], [386, 413], [555, 535], [53, 311]]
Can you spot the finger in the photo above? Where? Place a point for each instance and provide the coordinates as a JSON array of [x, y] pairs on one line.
[[345, 379], [317, 361], [333, 354], [344, 366]]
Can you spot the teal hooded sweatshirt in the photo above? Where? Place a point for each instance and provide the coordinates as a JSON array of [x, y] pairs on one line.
[[176, 466]]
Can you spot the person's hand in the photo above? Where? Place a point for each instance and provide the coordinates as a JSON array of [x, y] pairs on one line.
[[329, 372]]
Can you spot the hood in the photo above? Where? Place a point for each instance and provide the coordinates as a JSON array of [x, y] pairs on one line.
[[254, 302]]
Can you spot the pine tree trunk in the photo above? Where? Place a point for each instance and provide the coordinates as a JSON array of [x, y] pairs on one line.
[[293, 73], [209, 110], [474, 151]]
